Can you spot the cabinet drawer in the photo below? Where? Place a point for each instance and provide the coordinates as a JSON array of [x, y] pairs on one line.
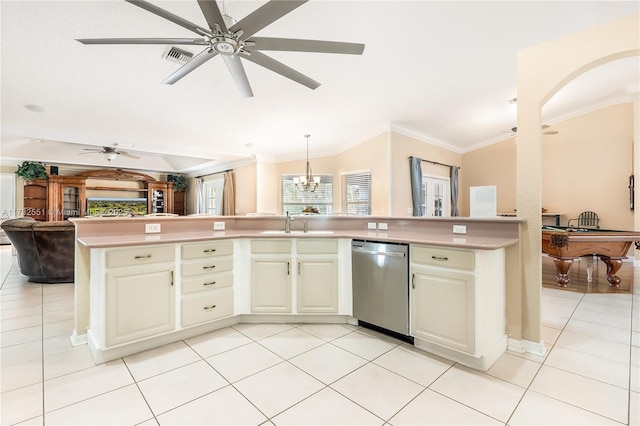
[[207, 307], [270, 246], [446, 258], [207, 266], [207, 282], [139, 256], [207, 249], [323, 246]]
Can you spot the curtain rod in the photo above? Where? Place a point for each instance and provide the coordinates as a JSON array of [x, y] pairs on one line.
[[436, 163], [216, 173]]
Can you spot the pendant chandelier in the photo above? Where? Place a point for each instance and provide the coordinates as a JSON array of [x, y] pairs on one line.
[[307, 183]]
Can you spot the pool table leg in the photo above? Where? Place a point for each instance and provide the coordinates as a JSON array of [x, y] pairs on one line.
[[562, 266], [613, 266]]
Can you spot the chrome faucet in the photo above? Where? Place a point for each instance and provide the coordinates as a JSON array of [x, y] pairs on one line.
[[287, 223], [305, 228]]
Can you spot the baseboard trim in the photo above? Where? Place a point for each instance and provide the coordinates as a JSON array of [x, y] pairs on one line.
[[527, 346]]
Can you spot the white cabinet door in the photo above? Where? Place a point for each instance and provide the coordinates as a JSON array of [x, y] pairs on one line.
[[317, 285], [140, 302], [271, 285], [443, 307]]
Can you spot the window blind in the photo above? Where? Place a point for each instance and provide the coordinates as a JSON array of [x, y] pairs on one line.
[[357, 193]]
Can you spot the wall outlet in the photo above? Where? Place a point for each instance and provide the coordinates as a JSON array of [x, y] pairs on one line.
[[409, 211], [459, 229], [382, 225], [371, 225], [218, 226], [151, 228]]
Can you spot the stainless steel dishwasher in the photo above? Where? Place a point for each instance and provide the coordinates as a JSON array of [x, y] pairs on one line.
[[381, 286]]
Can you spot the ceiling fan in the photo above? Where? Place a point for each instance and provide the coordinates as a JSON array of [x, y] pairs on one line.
[[235, 40], [109, 152], [514, 130]]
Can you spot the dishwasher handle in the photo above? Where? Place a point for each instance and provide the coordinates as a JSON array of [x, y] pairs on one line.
[[378, 253]]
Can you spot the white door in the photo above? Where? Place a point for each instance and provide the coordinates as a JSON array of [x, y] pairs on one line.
[[436, 200]]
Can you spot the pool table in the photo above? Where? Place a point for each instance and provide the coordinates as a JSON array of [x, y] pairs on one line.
[[564, 244]]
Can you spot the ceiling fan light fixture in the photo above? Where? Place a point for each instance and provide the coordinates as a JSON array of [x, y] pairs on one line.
[[110, 155], [224, 45]]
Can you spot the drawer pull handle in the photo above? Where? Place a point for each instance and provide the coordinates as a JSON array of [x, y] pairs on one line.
[[440, 258], [209, 283], [210, 250], [147, 256], [206, 308], [209, 267]]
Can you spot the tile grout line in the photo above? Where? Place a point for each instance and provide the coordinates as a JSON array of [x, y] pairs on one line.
[[544, 360]]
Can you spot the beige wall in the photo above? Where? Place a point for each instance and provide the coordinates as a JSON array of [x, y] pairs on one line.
[[492, 165], [371, 155], [246, 189], [402, 147], [587, 166], [584, 167], [267, 188]]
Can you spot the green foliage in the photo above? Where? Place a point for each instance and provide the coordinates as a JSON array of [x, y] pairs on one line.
[[30, 170], [179, 182]]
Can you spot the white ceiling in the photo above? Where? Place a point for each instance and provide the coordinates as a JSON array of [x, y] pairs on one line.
[[443, 71]]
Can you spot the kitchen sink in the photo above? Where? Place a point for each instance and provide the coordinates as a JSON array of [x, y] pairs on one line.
[[298, 232]]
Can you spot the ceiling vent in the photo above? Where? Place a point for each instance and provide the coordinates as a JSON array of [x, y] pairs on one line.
[[179, 56]]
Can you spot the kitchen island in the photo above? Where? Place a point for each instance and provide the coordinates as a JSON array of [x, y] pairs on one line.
[[136, 290]]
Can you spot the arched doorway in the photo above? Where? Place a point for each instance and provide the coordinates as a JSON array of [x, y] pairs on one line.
[[542, 71]]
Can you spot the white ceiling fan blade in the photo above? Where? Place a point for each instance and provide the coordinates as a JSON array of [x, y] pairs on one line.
[[282, 69], [239, 76], [265, 15], [169, 16], [212, 14], [299, 45], [187, 41], [126, 154]]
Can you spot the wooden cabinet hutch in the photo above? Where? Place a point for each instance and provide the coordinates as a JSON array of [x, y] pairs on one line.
[[62, 197]]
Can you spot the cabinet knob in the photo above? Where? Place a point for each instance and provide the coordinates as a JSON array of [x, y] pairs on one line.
[[209, 267], [210, 283], [440, 258], [209, 250], [206, 308], [147, 256]]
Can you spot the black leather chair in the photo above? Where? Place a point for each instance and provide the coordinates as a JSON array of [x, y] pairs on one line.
[[46, 250]]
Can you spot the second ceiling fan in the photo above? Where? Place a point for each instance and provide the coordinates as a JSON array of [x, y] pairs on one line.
[[233, 41]]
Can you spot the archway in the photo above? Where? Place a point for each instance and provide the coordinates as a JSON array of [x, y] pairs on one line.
[[542, 71]]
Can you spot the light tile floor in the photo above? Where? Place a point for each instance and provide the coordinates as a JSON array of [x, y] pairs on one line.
[[293, 374]]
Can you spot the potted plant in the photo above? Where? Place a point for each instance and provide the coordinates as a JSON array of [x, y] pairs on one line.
[[30, 170], [179, 182]]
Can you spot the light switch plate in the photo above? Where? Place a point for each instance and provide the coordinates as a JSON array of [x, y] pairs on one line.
[[151, 228], [382, 225], [218, 226], [371, 225], [459, 229]]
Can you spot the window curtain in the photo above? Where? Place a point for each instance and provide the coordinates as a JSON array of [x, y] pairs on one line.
[[199, 193], [416, 185], [454, 190], [229, 194]]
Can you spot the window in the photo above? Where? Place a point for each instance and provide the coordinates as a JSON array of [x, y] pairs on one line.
[[356, 190], [212, 190], [435, 199], [294, 200]]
